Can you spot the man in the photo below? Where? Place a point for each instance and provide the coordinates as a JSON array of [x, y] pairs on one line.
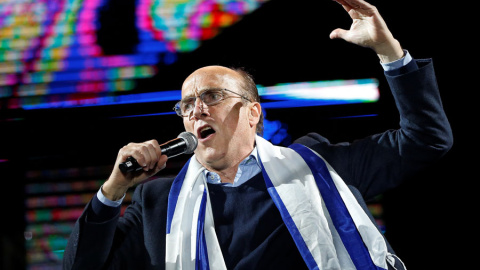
[[242, 203]]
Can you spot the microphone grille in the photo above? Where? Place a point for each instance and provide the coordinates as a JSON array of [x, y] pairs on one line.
[[191, 141]]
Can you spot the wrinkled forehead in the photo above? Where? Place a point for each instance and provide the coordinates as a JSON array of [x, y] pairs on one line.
[[211, 77]]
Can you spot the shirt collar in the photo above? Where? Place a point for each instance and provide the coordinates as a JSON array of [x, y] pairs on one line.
[[214, 178]]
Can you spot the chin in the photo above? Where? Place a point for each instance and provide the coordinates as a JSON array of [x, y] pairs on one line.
[[208, 156]]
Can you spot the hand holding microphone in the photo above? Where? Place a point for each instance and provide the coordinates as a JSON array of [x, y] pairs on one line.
[[151, 156], [185, 143]]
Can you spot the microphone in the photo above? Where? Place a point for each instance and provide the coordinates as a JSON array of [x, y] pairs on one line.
[[185, 143]]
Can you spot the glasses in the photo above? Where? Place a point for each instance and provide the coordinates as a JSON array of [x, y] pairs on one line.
[[210, 97]]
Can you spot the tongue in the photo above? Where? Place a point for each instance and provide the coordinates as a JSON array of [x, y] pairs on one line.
[[206, 132]]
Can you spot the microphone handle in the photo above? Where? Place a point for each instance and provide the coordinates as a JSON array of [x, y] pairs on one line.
[[130, 165]]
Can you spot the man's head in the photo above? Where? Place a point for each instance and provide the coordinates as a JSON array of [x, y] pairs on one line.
[[225, 129]]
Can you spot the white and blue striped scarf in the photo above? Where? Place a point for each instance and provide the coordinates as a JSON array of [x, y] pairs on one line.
[[329, 227]]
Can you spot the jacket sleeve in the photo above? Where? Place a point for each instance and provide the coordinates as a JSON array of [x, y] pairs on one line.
[[98, 236], [380, 162]]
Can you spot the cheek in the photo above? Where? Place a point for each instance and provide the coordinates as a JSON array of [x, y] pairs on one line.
[[231, 118], [188, 125], [238, 123]]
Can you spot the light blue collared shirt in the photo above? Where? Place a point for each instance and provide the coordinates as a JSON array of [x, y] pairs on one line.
[[247, 169]]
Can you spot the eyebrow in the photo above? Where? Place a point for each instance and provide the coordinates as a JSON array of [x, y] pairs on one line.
[[201, 91], [189, 95]]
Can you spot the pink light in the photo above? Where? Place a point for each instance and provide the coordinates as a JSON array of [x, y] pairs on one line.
[[86, 39], [171, 46], [11, 79], [142, 23], [158, 35], [84, 87], [96, 50], [195, 19], [85, 27], [94, 87], [115, 61], [93, 75], [87, 15], [145, 21], [205, 7], [91, 4], [193, 32]]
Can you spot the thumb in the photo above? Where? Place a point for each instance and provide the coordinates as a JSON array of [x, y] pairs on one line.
[[338, 33]]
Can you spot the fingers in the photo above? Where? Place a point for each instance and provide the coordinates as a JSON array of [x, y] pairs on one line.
[[357, 6], [368, 28], [147, 154], [162, 163], [338, 33], [344, 4]]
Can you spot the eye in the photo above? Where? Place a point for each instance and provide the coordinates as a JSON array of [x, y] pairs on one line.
[[188, 105], [211, 96]]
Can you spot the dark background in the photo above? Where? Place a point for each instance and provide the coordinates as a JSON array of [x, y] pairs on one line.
[[428, 219]]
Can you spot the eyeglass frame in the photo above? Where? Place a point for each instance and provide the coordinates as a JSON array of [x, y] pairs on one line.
[[222, 90]]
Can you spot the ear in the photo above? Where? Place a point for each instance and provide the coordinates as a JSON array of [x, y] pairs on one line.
[[254, 113]]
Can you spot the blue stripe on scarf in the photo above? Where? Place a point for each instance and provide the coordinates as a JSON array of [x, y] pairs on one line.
[[173, 195], [339, 214], [201, 258], [287, 219]]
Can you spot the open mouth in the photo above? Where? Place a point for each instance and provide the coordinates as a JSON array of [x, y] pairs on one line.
[[205, 132]]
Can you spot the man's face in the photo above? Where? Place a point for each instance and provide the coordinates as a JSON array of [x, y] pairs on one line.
[[225, 131]]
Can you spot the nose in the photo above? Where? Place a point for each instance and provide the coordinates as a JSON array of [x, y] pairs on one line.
[[198, 110]]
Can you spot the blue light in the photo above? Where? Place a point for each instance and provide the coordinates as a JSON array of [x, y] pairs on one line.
[[305, 94]]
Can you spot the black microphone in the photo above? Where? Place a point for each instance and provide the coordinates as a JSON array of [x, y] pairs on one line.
[[185, 143]]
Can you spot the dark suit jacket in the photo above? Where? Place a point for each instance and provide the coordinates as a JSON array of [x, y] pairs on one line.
[[369, 166]]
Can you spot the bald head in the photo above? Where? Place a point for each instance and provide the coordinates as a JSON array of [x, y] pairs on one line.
[[230, 78], [205, 77]]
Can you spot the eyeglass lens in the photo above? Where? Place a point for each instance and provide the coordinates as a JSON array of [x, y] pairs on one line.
[[208, 97]]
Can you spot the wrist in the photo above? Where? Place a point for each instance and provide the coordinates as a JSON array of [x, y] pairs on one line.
[[389, 52], [113, 192]]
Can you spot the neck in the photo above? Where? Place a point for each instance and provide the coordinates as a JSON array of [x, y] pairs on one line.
[[228, 175], [227, 167], [227, 170]]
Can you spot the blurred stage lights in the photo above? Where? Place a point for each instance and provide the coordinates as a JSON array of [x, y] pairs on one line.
[[45, 42], [303, 94]]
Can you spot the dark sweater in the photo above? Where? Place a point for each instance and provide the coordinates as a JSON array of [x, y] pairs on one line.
[[250, 229]]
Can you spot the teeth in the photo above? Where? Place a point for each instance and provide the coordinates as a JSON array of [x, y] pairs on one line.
[[205, 131], [205, 128]]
